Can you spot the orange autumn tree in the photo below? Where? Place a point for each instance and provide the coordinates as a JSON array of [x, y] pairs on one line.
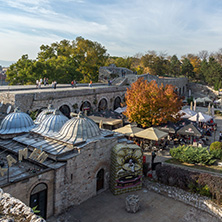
[[149, 104]]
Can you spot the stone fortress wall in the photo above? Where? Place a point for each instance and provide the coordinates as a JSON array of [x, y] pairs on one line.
[[73, 98], [12, 209]]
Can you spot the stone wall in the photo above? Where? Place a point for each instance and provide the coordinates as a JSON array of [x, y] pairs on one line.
[[12, 209], [180, 83], [77, 182], [22, 189], [39, 99], [200, 202], [110, 72]]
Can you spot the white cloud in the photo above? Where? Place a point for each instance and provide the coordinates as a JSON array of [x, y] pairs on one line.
[[123, 27]]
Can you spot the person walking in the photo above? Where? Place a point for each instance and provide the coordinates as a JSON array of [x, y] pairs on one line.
[[55, 83], [44, 81], [90, 83], [37, 83]]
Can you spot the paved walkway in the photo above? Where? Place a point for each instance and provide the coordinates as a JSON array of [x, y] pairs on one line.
[[106, 207]]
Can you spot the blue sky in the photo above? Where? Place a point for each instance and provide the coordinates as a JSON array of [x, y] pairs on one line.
[[124, 27]]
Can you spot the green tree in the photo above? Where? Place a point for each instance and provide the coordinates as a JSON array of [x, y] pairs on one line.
[[174, 66], [187, 68], [20, 72], [89, 56]]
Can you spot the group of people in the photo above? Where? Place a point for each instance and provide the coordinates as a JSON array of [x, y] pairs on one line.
[[45, 81], [73, 83], [41, 81]]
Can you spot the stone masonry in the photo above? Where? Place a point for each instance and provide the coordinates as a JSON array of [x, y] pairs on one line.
[[12, 209]]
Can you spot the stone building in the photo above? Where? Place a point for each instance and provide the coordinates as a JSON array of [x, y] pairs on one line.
[[57, 164]]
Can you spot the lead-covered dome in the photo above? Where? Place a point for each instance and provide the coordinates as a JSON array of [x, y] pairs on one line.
[[78, 129], [44, 114], [16, 123], [51, 124]]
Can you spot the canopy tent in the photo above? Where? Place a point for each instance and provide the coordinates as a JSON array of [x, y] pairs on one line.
[[128, 130], [200, 100], [218, 101], [190, 130], [151, 134], [168, 127], [200, 117], [207, 99], [187, 113], [120, 109]]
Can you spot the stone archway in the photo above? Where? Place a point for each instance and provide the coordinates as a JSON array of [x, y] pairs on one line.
[[86, 107], [117, 102], [102, 105], [38, 197], [65, 110], [100, 179]]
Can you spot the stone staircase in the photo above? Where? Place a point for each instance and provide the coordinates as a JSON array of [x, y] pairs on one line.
[[127, 80]]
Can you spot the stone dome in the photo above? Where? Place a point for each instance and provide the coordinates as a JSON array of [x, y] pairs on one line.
[[44, 114], [51, 124], [78, 129], [16, 122]]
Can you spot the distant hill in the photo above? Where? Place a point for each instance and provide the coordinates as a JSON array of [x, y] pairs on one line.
[[6, 63]]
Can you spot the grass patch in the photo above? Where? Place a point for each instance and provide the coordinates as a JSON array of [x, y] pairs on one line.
[[212, 168]]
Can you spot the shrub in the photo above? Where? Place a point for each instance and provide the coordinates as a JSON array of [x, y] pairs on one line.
[[202, 183], [217, 154], [194, 155], [174, 176], [214, 183], [216, 146]]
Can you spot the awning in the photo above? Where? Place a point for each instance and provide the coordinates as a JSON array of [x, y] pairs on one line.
[[120, 109], [129, 130], [200, 117], [107, 121], [151, 134], [189, 130]]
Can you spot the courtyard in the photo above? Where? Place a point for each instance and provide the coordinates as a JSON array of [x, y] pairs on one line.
[[154, 208]]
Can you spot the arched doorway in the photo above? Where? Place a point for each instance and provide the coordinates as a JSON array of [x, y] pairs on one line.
[[38, 198], [102, 105], [65, 110], [85, 107], [100, 180], [117, 103]]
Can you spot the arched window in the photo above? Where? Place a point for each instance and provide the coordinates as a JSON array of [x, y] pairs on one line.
[[100, 180], [117, 103], [65, 110], [102, 105], [38, 198]]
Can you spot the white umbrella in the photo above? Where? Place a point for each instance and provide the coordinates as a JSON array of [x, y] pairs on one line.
[[120, 109], [151, 134], [199, 100], [200, 117], [212, 110], [207, 99], [187, 113], [195, 105], [209, 109]]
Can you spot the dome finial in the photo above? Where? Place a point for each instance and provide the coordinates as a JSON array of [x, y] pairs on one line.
[[17, 110]]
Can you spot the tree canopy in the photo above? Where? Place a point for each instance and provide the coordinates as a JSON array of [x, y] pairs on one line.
[[63, 62], [81, 58], [149, 104]]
